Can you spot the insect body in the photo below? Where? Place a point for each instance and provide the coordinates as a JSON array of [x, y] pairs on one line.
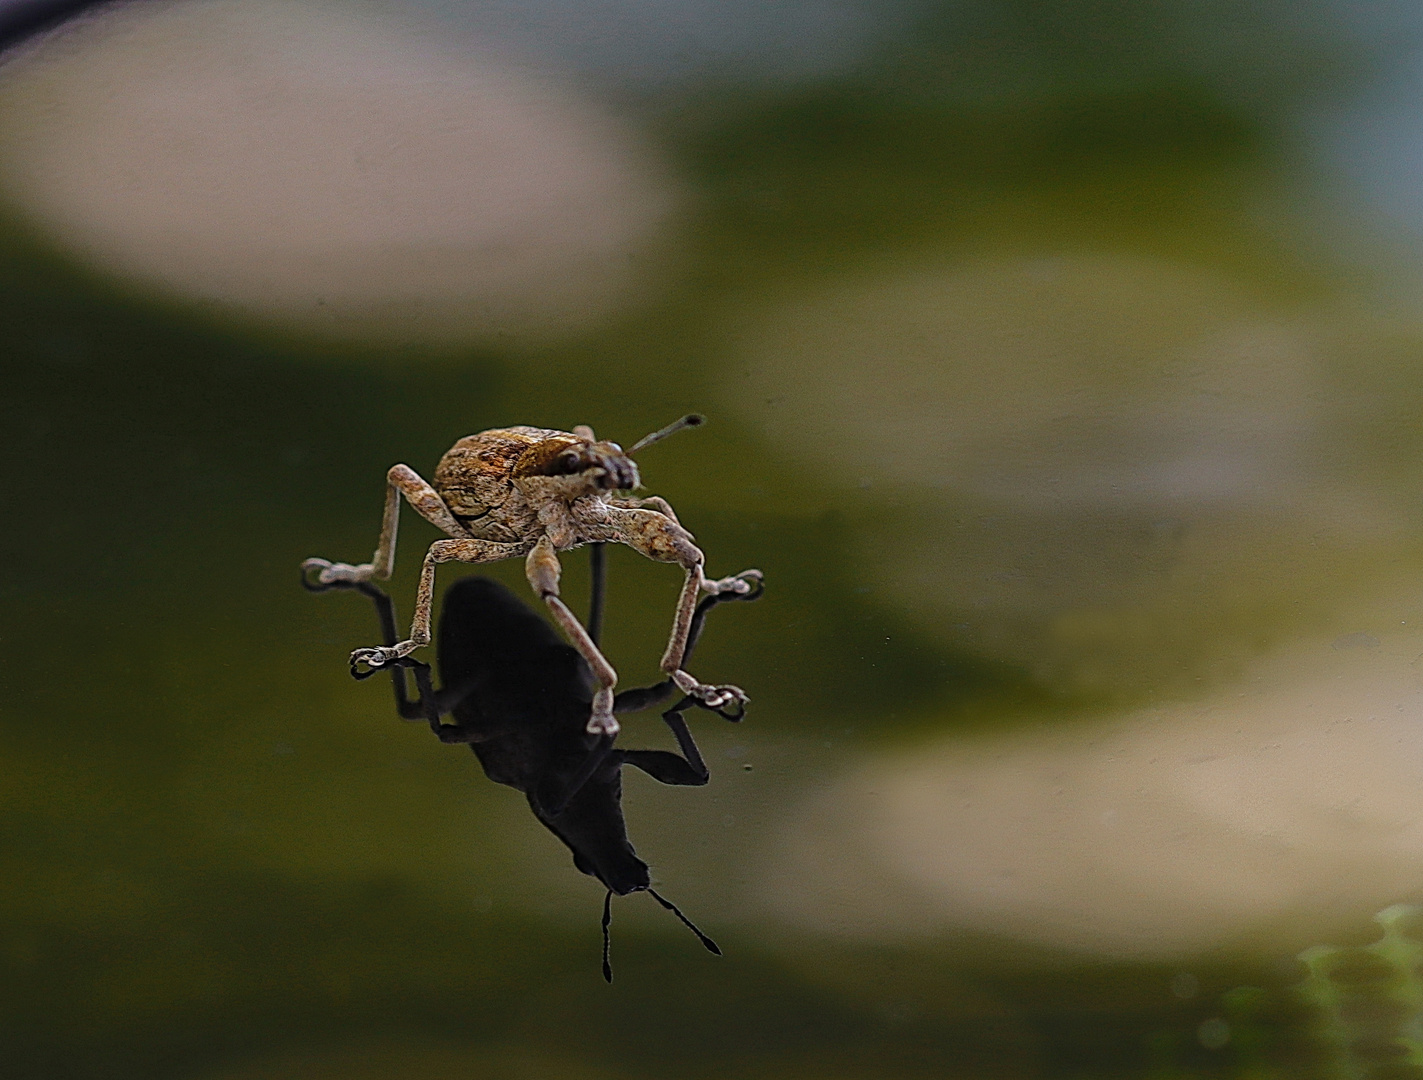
[[519, 697], [535, 492]]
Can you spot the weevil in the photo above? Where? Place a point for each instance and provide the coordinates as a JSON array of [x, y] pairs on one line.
[[519, 695], [536, 492]]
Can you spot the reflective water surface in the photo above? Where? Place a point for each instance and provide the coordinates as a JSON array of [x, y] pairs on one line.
[[1064, 368]]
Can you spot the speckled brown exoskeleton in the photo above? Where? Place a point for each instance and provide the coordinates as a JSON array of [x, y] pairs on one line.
[[535, 492]]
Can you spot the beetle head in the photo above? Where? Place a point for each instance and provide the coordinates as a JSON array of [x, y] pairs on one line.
[[607, 462], [603, 464], [577, 465], [587, 465]]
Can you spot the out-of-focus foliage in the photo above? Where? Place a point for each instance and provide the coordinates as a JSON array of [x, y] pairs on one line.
[[1369, 1000]]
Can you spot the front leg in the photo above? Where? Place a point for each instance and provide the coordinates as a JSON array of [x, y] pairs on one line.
[[661, 539], [543, 571], [713, 697], [654, 502], [646, 696], [401, 480], [441, 551]]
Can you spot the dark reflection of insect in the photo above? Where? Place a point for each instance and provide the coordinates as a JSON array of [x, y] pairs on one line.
[[519, 696]]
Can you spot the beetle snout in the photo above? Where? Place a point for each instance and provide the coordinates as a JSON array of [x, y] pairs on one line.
[[619, 472]]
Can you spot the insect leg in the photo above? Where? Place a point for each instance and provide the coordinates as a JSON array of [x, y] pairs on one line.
[[688, 770], [408, 710], [658, 538], [654, 502], [714, 697], [401, 480], [673, 718], [385, 614], [431, 704], [441, 551], [644, 697], [543, 571], [607, 937], [668, 768]]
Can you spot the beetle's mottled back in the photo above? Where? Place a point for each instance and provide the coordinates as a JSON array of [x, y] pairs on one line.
[[474, 475], [496, 482]]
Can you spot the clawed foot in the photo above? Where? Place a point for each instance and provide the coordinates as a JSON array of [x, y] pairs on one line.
[[332, 575], [602, 721], [603, 725], [742, 584], [377, 657], [730, 701]]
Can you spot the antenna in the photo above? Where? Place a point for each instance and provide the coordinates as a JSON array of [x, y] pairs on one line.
[[690, 420], [708, 942], [711, 945], [607, 922]]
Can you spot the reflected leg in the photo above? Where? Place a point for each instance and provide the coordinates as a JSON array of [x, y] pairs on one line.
[[441, 551]]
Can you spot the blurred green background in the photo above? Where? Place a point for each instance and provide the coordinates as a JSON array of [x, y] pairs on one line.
[[1064, 364]]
